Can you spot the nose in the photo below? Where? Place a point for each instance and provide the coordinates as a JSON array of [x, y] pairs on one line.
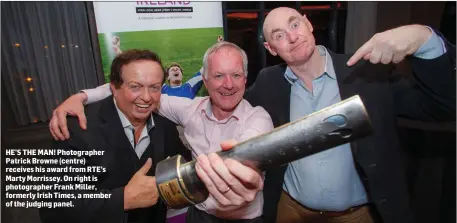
[[228, 82], [145, 95], [293, 37]]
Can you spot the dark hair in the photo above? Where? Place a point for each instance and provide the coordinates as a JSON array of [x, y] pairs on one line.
[[174, 64], [128, 57]]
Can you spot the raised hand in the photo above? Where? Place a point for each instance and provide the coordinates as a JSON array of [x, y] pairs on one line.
[[72, 106], [392, 45], [141, 191]]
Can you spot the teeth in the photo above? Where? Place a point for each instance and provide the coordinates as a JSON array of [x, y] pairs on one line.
[[142, 106], [227, 94]]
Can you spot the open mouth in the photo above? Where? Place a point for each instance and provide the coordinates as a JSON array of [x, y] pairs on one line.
[[227, 94], [142, 107]]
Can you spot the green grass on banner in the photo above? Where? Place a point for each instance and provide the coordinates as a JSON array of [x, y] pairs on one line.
[[184, 46]]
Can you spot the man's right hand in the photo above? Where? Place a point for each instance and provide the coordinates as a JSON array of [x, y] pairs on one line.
[[74, 106], [141, 191]]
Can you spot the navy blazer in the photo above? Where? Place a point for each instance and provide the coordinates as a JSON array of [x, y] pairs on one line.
[[431, 98], [105, 132]]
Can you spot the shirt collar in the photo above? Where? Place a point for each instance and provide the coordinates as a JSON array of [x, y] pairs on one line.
[[126, 123], [206, 109], [328, 70]]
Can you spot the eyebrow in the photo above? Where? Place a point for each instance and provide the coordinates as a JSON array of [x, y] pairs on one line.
[[134, 82], [275, 30], [292, 18]]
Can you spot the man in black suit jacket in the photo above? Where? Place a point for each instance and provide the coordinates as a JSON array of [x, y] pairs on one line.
[[128, 161], [377, 159]]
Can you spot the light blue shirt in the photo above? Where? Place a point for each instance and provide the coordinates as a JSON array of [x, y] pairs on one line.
[[144, 140], [328, 180]]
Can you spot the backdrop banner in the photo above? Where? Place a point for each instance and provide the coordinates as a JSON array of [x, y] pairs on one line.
[[178, 31]]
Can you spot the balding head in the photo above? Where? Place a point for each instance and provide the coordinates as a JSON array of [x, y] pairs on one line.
[[275, 15], [289, 35]]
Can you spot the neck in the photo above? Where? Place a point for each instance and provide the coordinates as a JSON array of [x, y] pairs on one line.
[[221, 114], [310, 69], [138, 124], [175, 84]]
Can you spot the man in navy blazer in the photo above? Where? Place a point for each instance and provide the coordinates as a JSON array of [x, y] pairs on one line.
[[361, 181]]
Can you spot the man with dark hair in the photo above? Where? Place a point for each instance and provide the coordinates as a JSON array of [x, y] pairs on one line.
[[177, 72], [176, 88], [134, 140]]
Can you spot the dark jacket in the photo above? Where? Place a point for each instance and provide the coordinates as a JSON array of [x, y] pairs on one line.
[[377, 157], [105, 132]]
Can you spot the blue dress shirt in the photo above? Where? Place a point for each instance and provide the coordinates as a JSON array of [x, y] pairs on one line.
[[328, 180]]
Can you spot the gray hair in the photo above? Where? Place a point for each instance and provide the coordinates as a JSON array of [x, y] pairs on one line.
[[216, 47]]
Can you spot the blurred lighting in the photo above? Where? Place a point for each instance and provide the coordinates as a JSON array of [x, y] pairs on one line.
[[17, 45], [28, 79], [31, 89], [63, 46], [45, 47]]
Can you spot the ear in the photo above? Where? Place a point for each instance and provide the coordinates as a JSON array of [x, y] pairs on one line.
[[268, 47], [307, 23], [204, 81], [113, 88]]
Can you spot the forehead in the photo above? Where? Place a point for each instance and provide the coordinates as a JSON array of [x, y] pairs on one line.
[[226, 57], [280, 18], [142, 71]]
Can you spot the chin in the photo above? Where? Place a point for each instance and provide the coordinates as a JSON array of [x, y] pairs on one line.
[[144, 115], [230, 106]]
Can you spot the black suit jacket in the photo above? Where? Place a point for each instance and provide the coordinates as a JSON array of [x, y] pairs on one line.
[[377, 157], [105, 132]]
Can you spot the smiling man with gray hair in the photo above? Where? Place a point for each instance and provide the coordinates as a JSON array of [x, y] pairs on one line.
[[235, 189]]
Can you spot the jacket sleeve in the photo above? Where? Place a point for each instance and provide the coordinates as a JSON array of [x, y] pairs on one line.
[[431, 96]]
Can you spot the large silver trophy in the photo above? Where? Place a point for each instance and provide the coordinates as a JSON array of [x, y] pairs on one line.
[[179, 185]]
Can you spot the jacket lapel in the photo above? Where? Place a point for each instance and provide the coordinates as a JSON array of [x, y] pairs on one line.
[[113, 132], [156, 148], [342, 71], [346, 83], [283, 94]]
